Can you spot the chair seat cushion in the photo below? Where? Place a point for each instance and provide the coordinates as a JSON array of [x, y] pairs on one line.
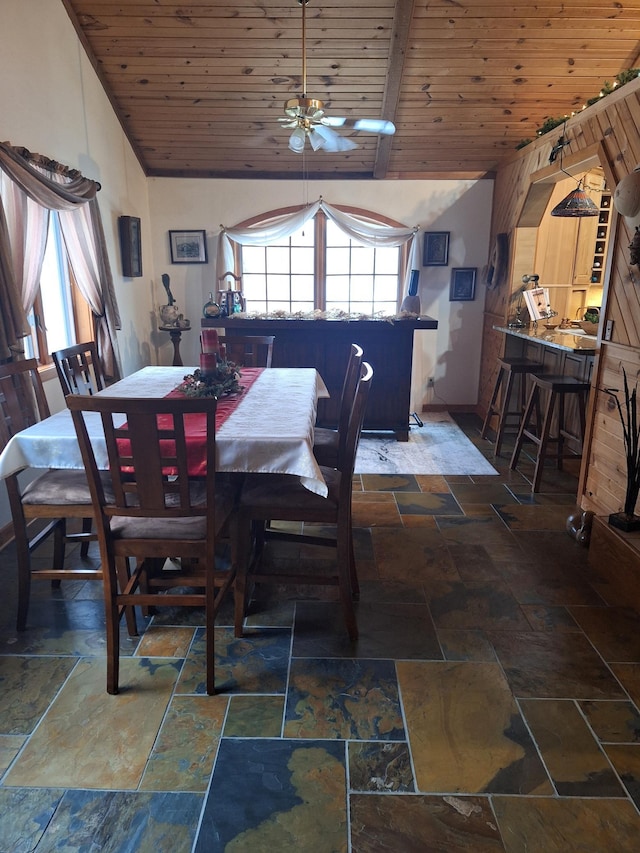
[[325, 446], [186, 527], [283, 491], [62, 487]]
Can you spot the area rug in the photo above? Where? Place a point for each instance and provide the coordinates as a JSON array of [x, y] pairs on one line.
[[438, 447]]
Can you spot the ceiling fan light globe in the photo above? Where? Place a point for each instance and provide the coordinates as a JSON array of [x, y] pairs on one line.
[[296, 140], [316, 140]]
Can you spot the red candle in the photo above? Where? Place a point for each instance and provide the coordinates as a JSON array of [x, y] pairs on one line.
[[209, 341], [208, 363]]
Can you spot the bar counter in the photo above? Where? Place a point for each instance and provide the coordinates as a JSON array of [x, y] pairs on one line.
[[569, 340], [568, 352], [325, 345]]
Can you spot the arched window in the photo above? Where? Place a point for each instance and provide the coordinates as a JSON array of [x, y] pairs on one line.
[[321, 267]]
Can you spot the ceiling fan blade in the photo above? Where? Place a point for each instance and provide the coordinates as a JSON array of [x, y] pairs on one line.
[[368, 125], [329, 140]]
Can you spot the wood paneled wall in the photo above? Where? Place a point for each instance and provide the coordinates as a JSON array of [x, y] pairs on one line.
[[612, 127]]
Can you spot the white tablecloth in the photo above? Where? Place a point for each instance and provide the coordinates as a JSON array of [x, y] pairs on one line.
[[271, 431]]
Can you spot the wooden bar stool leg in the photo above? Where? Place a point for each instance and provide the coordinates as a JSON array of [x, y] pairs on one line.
[[532, 406], [544, 442], [502, 423], [492, 410]]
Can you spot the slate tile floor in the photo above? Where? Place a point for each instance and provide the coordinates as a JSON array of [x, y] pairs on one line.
[[491, 703]]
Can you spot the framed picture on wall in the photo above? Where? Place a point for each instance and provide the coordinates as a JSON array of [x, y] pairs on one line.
[[130, 246], [463, 284], [436, 249], [188, 247]]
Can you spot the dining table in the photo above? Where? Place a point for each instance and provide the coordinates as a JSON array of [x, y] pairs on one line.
[[268, 427]]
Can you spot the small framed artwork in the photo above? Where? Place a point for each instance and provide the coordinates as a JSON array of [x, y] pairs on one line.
[[463, 284], [130, 246], [436, 249], [188, 247]]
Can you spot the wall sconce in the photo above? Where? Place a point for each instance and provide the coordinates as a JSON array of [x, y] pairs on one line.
[[626, 197]]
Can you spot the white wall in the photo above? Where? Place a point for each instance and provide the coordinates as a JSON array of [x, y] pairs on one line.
[[451, 354], [51, 102]]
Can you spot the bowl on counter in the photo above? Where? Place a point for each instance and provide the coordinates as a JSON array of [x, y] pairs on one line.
[[550, 327], [588, 328]]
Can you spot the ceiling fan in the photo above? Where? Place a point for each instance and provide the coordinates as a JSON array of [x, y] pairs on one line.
[[307, 117]]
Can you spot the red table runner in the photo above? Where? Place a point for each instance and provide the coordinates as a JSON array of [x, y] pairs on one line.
[[196, 425]]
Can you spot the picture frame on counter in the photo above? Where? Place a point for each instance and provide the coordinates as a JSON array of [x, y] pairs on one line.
[[436, 249], [130, 246], [463, 284], [188, 247]]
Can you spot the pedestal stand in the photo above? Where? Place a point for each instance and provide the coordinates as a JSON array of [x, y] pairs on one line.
[[176, 336]]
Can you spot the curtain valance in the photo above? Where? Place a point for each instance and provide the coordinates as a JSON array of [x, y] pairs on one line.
[[30, 187], [264, 233]]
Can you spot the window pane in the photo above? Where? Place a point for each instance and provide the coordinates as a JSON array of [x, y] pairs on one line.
[[302, 260], [253, 259], [55, 292], [387, 262], [358, 278], [338, 261]]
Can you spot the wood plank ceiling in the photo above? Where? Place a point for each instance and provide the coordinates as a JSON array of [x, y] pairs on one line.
[[199, 87]]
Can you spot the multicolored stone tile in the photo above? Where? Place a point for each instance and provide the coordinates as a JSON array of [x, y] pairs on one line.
[[557, 825], [25, 814], [416, 556], [626, 761], [254, 716], [614, 631], [543, 617], [427, 503], [484, 605], [117, 732], [28, 685], [386, 630], [165, 642], [613, 722], [571, 755], [256, 663], [124, 821], [379, 767], [465, 645], [276, 795], [421, 823], [184, 751], [389, 483], [549, 666], [456, 744], [343, 699]]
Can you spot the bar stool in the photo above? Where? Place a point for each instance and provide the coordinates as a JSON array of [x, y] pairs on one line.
[[508, 369], [546, 391]]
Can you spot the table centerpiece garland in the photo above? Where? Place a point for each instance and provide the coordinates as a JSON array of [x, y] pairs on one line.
[[221, 381]]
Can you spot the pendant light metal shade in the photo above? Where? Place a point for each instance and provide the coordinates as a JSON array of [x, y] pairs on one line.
[[577, 203]]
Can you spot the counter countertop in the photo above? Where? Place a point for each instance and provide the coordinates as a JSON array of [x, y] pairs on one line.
[[570, 340]]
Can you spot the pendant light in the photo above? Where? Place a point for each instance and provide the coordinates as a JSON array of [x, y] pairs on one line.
[[577, 203]]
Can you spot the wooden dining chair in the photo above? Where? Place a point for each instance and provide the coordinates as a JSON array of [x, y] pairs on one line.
[[48, 500], [327, 442], [248, 350], [79, 369], [156, 510], [281, 497]]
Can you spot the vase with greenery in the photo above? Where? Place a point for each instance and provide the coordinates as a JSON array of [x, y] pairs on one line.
[[627, 519]]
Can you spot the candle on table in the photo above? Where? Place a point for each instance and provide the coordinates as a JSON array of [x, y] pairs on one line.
[[209, 341], [208, 363]]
